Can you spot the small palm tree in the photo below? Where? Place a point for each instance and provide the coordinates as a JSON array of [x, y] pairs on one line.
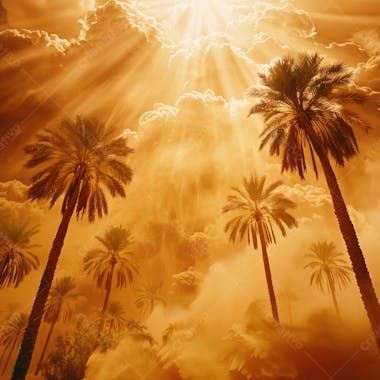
[[113, 261], [11, 334], [259, 208], [16, 257], [303, 101], [330, 269], [79, 161], [114, 319], [59, 304], [149, 295]]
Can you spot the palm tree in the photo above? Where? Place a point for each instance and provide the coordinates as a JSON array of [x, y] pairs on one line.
[[303, 102], [59, 304], [113, 260], [11, 309], [149, 295], [259, 208], [11, 334], [16, 257], [330, 269], [78, 161], [289, 297], [114, 319]]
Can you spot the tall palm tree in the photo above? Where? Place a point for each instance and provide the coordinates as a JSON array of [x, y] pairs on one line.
[[59, 304], [330, 269], [16, 257], [114, 260], [303, 101], [79, 161], [259, 208], [11, 334]]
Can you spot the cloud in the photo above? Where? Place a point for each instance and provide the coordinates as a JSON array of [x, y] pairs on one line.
[[117, 18], [56, 17], [14, 202], [209, 340], [13, 191], [39, 71], [368, 39], [213, 63], [271, 29], [178, 138], [350, 53], [368, 73], [314, 196]]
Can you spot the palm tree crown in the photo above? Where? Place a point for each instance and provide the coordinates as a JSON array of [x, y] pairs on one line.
[[82, 153], [114, 320], [13, 329], [149, 295], [327, 264], [16, 258], [61, 300], [303, 103], [257, 204], [114, 254]]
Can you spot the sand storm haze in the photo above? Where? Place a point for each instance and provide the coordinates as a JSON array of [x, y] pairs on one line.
[[144, 233]]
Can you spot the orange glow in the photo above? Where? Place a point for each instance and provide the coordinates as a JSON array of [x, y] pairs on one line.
[[172, 289]]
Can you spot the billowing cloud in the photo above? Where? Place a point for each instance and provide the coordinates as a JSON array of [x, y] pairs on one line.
[[57, 17]]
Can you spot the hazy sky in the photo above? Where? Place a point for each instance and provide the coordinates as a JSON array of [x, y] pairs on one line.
[[172, 75]]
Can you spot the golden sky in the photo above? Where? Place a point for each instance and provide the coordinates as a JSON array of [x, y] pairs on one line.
[[172, 76]]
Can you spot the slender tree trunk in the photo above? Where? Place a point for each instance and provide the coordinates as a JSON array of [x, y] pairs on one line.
[[108, 290], [52, 325], [347, 229], [9, 356], [268, 274], [34, 322], [105, 304], [333, 295]]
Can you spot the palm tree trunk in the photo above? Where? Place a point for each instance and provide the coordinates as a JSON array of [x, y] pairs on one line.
[[34, 322], [105, 304], [347, 229], [108, 291], [333, 295], [268, 274], [52, 325], [9, 356]]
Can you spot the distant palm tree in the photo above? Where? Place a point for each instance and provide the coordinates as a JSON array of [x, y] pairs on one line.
[[259, 209], [330, 269], [11, 334], [113, 261], [289, 297], [16, 257], [59, 304], [79, 161], [114, 319], [303, 102], [149, 295]]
